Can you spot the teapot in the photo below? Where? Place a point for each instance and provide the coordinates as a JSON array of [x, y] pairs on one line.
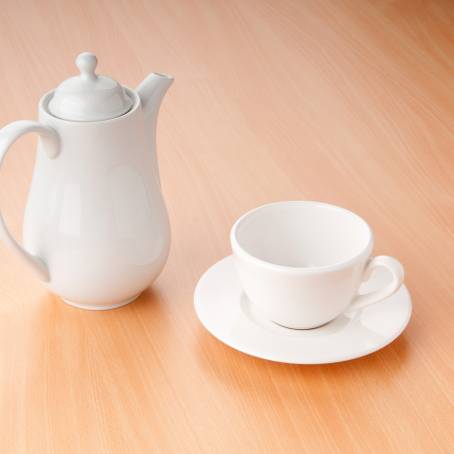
[[96, 230]]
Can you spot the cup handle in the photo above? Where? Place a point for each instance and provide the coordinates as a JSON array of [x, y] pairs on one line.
[[8, 135], [397, 272]]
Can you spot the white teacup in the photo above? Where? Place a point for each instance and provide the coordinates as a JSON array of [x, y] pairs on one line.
[[301, 263]]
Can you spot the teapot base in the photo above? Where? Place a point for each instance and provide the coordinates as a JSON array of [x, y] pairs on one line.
[[91, 307]]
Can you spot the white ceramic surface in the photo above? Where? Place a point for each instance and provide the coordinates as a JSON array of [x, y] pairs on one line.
[[302, 262], [96, 229], [88, 96], [228, 314]]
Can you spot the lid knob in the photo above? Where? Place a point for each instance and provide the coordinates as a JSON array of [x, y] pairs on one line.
[[89, 97], [87, 62]]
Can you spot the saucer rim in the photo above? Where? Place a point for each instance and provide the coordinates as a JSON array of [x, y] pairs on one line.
[[332, 360]]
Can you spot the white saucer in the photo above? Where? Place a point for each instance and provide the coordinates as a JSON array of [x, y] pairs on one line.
[[229, 316]]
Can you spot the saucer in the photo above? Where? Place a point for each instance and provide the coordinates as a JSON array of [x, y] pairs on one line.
[[228, 315]]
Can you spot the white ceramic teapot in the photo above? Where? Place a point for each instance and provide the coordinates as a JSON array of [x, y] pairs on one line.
[[96, 229]]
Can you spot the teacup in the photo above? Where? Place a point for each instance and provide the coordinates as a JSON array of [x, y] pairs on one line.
[[302, 263]]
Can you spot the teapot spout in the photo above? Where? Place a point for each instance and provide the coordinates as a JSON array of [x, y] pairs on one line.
[[151, 92]]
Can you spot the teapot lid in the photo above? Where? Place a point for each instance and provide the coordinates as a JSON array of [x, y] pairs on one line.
[[89, 97]]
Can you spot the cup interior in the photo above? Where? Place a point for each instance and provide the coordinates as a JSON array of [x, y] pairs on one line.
[[302, 234]]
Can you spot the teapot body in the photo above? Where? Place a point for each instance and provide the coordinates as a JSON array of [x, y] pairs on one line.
[[95, 214]]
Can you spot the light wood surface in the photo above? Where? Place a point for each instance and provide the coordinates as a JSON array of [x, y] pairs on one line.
[[349, 102]]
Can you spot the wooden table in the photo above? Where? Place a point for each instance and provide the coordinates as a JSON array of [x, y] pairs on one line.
[[349, 102]]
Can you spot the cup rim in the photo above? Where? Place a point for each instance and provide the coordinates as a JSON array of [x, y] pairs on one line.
[[239, 250]]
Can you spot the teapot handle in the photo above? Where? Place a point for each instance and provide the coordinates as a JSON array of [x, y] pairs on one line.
[[51, 141]]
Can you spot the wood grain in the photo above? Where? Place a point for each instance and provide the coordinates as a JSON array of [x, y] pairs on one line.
[[349, 102]]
